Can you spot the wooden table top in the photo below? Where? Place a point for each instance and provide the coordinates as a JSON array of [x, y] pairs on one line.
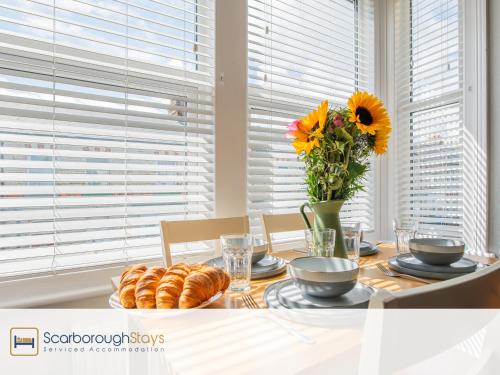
[[369, 274]]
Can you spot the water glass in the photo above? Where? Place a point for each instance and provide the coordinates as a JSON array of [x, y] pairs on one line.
[[404, 230], [352, 239], [237, 252], [320, 243]]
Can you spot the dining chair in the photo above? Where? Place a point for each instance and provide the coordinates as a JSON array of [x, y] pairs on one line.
[[183, 231], [279, 223], [479, 289], [388, 329]]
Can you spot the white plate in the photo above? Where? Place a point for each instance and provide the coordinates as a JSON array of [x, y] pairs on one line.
[[114, 302]]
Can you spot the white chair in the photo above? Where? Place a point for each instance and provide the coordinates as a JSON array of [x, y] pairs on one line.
[[476, 290], [173, 232], [280, 223], [389, 331]]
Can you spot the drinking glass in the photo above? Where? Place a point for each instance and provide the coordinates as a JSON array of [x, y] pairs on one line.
[[352, 239], [404, 230], [320, 243], [237, 252]]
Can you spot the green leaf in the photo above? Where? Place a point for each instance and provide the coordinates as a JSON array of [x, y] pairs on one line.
[[341, 133], [356, 169], [340, 146]]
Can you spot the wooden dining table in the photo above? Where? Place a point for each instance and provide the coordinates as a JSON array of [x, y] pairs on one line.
[[369, 275]]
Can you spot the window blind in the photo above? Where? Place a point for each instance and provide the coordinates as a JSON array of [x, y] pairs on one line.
[[430, 112], [106, 128], [300, 53]]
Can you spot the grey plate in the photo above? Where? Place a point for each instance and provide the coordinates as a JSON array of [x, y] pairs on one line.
[[264, 273], [270, 297], [393, 264], [464, 265], [268, 267], [290, 296], [266, 264], [259, 251], [367, 248]]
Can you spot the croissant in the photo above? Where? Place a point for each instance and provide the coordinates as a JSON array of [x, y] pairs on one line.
[[226, 282], [170, 287], [128, 280], [196, 266], [145, 289], [202, 285]]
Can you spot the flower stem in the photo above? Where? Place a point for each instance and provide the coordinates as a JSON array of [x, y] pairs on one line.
[[347, 154]]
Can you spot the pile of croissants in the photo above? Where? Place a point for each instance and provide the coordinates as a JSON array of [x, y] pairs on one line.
[[179, 286]]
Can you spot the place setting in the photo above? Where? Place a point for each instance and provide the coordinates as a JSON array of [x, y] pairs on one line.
[[325, 278], [319, 282], [431, 258], [262, 265]]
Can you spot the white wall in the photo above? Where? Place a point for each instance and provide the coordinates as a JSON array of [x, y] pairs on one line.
[[494, 124], [97, 302], [231, 108]]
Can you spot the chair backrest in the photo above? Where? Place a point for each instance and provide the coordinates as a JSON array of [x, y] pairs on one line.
[[198, 230], [282, 223], [480, 289]]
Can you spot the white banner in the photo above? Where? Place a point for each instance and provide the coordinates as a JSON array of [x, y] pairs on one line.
[[314, 341]]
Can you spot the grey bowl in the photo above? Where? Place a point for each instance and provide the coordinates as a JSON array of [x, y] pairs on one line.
[[437, 251], [323, 276], [259, 251]]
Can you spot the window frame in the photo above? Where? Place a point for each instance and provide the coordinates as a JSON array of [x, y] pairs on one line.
[[361, 11], [475, 101]]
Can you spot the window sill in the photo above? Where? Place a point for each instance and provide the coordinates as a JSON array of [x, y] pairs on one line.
[[47, 289], [56, 288], [71, 286]]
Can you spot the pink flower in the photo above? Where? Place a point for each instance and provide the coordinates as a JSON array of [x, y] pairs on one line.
[[338, 121], [293, 127]]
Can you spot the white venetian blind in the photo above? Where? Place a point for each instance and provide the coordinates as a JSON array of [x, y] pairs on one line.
[[300, 53], [430, 112], [106, 128]]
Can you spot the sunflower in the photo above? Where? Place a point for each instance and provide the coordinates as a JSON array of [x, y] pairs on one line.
[[381, 140], [308, 131], [370, 116]]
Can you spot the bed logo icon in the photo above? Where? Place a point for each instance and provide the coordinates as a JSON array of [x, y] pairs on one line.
[[24, 341]]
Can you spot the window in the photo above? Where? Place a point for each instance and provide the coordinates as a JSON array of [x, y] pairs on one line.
[[300, 53], [430, 116], [437, 161], [106, 128]]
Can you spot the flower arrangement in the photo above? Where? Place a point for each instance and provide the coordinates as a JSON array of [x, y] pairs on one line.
[[336, 143]]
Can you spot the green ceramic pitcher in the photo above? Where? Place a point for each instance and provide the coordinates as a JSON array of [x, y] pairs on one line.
[[326, 216]]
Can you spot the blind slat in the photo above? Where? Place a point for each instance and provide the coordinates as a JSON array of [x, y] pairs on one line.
[[106, 128], [429, 63], [290, 70]]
